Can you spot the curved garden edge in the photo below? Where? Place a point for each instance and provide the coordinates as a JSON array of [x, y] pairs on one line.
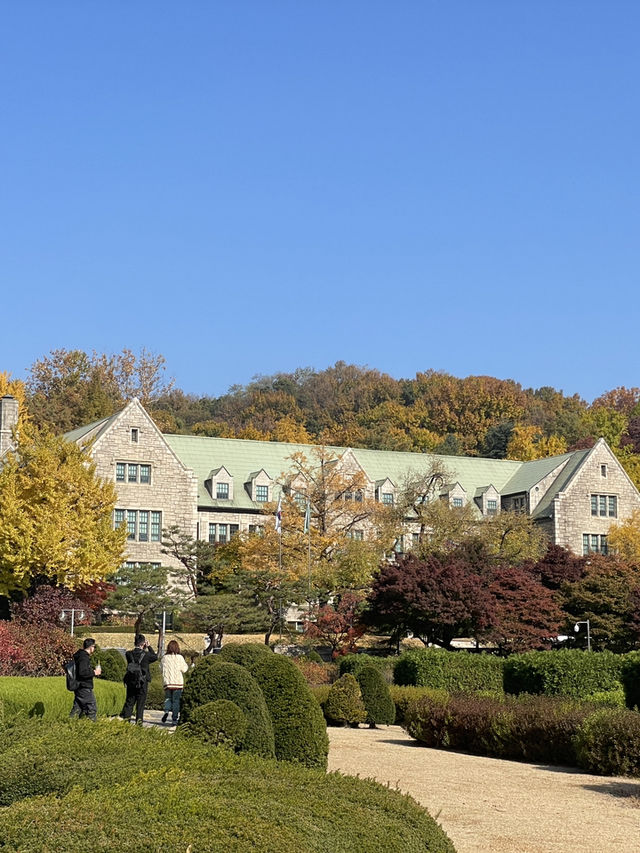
[[489, 805]]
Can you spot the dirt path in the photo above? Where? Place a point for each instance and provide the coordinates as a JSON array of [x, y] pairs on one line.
[[487, 805]]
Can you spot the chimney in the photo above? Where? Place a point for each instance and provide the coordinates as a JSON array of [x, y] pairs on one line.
[[8, 421]]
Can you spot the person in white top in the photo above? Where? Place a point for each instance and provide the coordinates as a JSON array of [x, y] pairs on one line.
[[173, 667]]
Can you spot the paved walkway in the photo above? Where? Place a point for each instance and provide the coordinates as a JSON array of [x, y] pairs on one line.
[[487, 805]]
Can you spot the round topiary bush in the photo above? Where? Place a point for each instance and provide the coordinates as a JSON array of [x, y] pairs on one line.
[[213, 679], [344, 705], [377, 699], [112, 662], [354, 663], [221, 723], [298, 723], [313, 656], [244, 653]]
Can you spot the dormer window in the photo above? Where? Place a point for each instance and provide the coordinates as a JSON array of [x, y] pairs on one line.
[[262, 494], [457, 502], [222, 491], [134, 435], [387, 498]]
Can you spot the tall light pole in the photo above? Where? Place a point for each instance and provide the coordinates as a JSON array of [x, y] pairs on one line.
[[72, 611], [576, 628]]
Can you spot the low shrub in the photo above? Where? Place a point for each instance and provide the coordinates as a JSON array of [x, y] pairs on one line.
[[344, 705], [113, 664], [298, 723], [608, 743], [316, 673], [244, 653], [79, 787], [313, 656], [48, 697], [534, 729], [563, 673], [354, 663], [221, 723], [27, 649], [405, 696], [452, 671], [321, 694], [630, 678], [155, 690], [376, 697], [213, 679]]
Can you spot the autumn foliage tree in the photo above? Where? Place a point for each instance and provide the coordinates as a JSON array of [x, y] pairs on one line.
[[56, 517], [338, 624]]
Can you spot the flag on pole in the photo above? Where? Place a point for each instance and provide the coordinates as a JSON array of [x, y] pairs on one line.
[[307, 517], [279, 515]]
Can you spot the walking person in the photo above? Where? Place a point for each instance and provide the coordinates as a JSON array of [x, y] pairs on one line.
[[84, 700], [137, 678], [173, 666]]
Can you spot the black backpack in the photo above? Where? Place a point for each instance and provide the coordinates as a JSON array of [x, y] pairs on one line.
[[135, 677], [70, 674]]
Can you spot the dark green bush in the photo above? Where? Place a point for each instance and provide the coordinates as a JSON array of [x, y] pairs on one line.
[[244, 653], [155, 690], [354, 663], [213, 679], [221, 723], [344, 705], [113, 664], [92, 778], [376, 697], [534, 729], [630, 678], [564, 673], [298, 724], [608, 743], [453, 671], [313, 656]]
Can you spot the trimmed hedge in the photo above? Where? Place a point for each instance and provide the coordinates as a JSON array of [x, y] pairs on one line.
[[298, 724], [609, 743], [344, 705], [376, 697], [403, 697], [49, 698], [244, 654], [452, 671], [78, 793], [537, 729], [213, 679], [113, 664], [354, 663], [630, 678], [563, 673], [221, 723]]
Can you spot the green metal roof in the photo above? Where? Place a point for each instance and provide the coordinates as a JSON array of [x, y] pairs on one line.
[[97, 428], [243, 458]]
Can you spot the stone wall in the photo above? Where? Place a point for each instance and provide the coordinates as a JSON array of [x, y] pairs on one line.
[[173, 489], [573, 506]]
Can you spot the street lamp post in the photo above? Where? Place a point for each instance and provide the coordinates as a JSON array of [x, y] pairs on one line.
[[72, 611], [576, 628]]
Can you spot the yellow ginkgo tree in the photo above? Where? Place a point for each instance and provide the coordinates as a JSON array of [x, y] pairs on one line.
[[56, 516]]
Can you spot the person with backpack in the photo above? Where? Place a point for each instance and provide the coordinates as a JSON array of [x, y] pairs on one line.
[[84, 700], [137, 678], [173, 667]]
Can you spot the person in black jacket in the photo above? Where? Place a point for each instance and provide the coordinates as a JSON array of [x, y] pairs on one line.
[[143, 655], [84, 700]]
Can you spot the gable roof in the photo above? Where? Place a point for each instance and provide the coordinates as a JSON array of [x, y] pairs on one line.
[[86, 433]]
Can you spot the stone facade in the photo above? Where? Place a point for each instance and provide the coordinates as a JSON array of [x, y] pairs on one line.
[[600, 476], [132, 440], [216, 488], [8, 422]]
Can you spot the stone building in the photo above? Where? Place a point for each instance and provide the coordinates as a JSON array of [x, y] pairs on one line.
[[214, 488]]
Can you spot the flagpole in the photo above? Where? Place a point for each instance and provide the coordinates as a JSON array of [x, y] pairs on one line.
[[279, 529], [307, 519]]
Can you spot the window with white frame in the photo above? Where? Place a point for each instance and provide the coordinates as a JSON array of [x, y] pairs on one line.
[[594, 543], [133, 472], [387, 498], [143, 525], [605, 506], [492, 507], [262, 494]]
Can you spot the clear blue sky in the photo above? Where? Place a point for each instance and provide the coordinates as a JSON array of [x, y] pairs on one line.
[[253, 186]]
